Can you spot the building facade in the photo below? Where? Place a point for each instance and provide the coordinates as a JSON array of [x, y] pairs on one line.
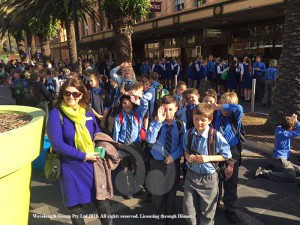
[[187, 28]]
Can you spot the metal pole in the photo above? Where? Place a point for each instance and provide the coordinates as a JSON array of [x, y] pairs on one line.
[[253, 95]]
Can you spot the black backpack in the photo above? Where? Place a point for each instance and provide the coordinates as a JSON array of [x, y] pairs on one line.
[[33, 96], [224, 168], [241, 137]]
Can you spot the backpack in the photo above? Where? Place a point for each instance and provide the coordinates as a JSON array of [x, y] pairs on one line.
[[241, 138], [159, 92], [135, 115], [224, 168], [33, 96]]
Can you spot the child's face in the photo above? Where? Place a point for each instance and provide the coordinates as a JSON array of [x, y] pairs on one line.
[[170, 110], [200, 122], [93, 82], [209, 99], [127, 105], [128, 73], [193, 99], [146, 85], [180, 90]]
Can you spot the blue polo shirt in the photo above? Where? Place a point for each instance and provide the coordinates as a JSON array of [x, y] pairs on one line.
[[282, 146]]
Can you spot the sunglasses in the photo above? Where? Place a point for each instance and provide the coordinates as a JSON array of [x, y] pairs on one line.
[[74, 94]]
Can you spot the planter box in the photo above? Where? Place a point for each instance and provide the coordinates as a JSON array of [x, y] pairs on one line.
[[18, 148]]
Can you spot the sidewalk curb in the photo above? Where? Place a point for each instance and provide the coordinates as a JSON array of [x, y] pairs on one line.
[[259, 147]]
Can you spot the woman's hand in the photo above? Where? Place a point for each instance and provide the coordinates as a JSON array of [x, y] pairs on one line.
[[92, 156]]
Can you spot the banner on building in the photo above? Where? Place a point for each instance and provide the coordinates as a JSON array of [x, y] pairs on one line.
[[155, 7]]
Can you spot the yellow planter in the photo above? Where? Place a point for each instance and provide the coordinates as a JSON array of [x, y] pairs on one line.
[[18, 148]]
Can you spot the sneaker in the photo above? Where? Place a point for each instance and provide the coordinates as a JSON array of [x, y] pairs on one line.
[[233, 218], [259, 172]]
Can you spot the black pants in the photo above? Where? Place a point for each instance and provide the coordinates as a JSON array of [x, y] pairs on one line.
[[260, 87], [164, 188], [103, 210], [230, 186]]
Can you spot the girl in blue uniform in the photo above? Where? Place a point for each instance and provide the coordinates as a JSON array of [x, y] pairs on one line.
[[247, 78]]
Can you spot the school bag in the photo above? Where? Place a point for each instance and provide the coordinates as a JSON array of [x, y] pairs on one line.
[[224, 168], [241, 138], [159, 92], [135, 115], [33, 96]]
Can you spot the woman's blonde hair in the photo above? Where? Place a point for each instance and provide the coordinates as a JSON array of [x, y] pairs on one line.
[[229, 98]]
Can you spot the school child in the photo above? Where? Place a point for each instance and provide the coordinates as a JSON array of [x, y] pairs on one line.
[[180, 88], [230, 114], [201, 181], [259, 69], [124, 76], [105, 84], [162, 72], [168, 74], [99, 100], [246, 79], [189, 72], [166, 134], [186, 113], [18, 88], [147, 88], [231, 81], [270, 77], [220, 81], [210, 96], [283, 168], [204, 86], [127, 126], [211, 68], [203, 70]]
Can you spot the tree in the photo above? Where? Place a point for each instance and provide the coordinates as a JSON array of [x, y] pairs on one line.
[[122, 14], [286, 96]]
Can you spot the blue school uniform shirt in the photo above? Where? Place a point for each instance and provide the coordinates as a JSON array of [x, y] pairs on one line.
[[211, 67], [223, 124], [271, 73], [222, 148], [189, 72], [119, 134], [261, 66], [282, 146], [119, 79], [151, 91], [158, 150]]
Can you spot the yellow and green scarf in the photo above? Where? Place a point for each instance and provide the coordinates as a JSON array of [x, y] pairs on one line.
[[82, 138]]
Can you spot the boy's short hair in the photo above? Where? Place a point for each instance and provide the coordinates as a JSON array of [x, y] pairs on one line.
[[153, 76], [193, 91], [288, 122], [168, 99], [137, 87], [180, 84], [229, 98], [211, 93], [185, 95], [124, 97], [145, 78], [204, 109]]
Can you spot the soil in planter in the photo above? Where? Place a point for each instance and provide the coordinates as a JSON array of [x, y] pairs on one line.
[[10, 121]]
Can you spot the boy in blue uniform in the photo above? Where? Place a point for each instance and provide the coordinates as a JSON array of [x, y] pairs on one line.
[[228, 111], [283, 168], [127, 131], [259, 69], [201, 182], [166, 134], [270, 82], [147, 88]]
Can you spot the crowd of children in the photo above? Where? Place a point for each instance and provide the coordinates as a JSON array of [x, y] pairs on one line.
[[164, 128]]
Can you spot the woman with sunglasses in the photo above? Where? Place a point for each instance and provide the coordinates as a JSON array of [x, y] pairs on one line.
[[73, 141]]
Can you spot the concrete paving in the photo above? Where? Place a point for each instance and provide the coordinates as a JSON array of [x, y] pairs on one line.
[[260, 201]]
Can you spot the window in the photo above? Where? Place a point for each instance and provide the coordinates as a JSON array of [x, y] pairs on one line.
[[179, 5], [200, 2]]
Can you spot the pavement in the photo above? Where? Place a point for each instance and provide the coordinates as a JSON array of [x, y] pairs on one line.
[[260, 201]]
